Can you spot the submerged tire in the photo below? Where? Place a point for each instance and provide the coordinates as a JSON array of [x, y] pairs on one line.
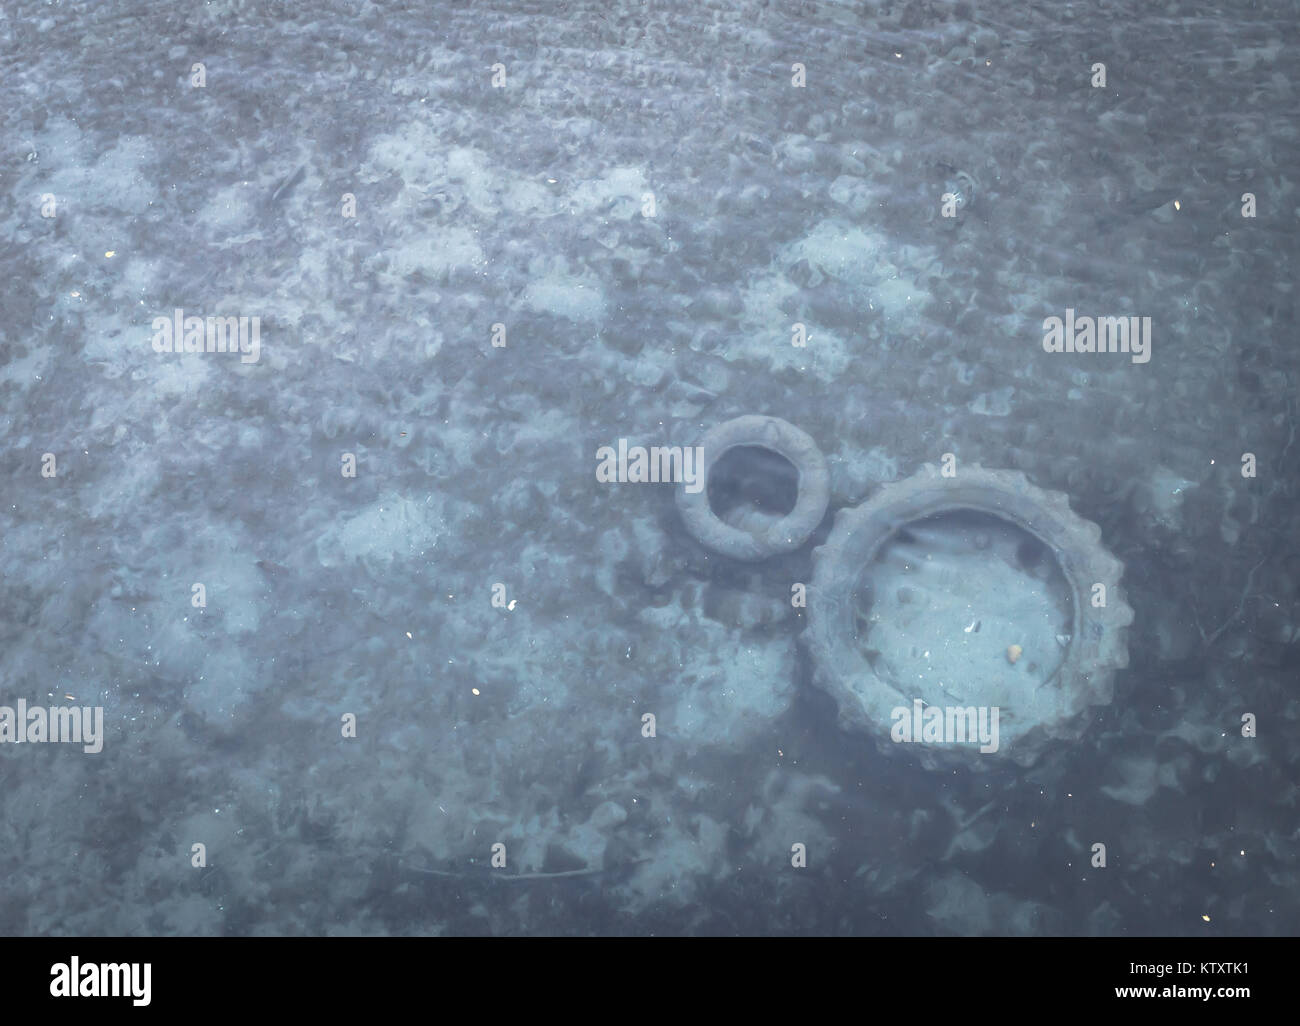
[[759, 537], [1056, 710]]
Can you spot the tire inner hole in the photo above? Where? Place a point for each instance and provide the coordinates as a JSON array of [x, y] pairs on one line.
[[965, 607], [751, 486]]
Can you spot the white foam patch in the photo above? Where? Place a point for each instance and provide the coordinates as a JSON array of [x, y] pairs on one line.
[[233, 585], [857, 194], [869, 261], [114, 181], [1141, 777], [1165, 492], [225, 683], [229, 208], [428, 167], [565, 296], [448, 248], [416, 153], [393, 528], [993, 404], [617, 195], [731, 686], [767, 332]]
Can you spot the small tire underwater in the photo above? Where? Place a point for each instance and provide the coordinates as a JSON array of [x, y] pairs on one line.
[[760, 538]]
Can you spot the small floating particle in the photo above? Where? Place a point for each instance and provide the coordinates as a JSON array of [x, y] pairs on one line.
[[1014, 652], [474, 690]]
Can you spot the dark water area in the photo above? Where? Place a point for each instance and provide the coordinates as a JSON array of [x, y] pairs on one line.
[[357, 606]]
